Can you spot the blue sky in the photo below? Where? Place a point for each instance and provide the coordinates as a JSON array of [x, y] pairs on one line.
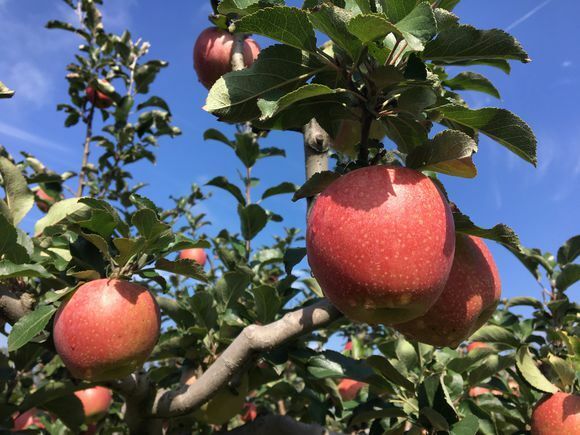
[[541, 204]]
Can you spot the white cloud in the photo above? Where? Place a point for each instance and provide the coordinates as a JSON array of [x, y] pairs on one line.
[[30, 138], [566, 64], [527, 15]]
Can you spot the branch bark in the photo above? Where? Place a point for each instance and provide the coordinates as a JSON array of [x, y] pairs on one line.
[[279, 425], [316, 145], [251, 341], [237, 59], [13, 306]]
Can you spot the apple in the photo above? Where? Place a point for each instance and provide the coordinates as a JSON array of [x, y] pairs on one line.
[[478, 391], [224, 405], [196, 254], [212, 54], [477, 345], [107, 329], [469, 299], [27, 419], [98, 98], [96, 402], [558, 413], [250, 412], [380, 242], [44, 200], [349, 388]]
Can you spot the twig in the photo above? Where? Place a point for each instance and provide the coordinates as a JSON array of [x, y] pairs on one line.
[[316, 145], [237, 60], [87, 150]]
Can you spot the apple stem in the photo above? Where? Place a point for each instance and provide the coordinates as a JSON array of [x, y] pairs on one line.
[[86, 151]]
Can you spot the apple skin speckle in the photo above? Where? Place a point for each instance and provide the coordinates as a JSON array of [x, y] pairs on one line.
[[107, 329], [380, 242], [558, 413]]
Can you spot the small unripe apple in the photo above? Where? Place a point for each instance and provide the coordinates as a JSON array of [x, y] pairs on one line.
[[96, 402], [380, 243], [556, 414], [98, 98], [196, 254], [477, 345], [44, 201], [27, 419], [107, 329], [469, 299], [349, 388], [250, 412], [212, 54]]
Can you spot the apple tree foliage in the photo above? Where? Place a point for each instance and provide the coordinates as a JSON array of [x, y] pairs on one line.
[[370, 62]]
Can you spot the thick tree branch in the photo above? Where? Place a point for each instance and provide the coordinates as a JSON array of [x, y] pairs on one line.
[[237, 60], [252, 340], [316, 145], [13, 306], [279, 425]]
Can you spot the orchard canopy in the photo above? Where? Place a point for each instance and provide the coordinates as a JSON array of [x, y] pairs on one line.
[[346, 275]]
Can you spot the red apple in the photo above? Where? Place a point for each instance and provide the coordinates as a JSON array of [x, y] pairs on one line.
[[213, 52], [98, 98], [44, 201], [380, 242], [196, 254], [250, 412], [467, 302], [107, 329], [557, 414], [478, 391], [477, 345], [348, 345], [349, 388], [96, 402], [27, 419]]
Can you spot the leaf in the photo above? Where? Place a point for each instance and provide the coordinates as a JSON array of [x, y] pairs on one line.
[[569, 275], [470, 81], [524, 301], [419, 26], [466, 43], [203, 307], [495, 334], [214, 134], [278, 70], [448, 4], [437, 421], [469, 425], [531, 373], [415, 100], [59, 212], [154, 102], [569, 251], [315, 185], [333, 22], [287, 25], [5, 92], [19, 198], [151, 228], [405, 131], [230, 287], [280, 189], [396, 10], [445, 19], [29, 326], [292, 257], [185, 267], [386, 369], [564, 369], [247, 149], [223, 183], [253, 219], [407, 354], [11, 270], [244, 7], [68, 409], [9, 242], [268, 303], [269, 108], [500, 125], [449, 152], [370, 27]]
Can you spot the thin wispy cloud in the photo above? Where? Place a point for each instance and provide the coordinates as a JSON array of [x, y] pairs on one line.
[[30, 138], [528, 15]]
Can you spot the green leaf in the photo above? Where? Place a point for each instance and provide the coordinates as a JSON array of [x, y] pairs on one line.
[[415, 100], [5, 92], [280, 189], [499, 233], [495, 334], [419, 26], [564, 369], [316, 184], [407, 354], [569, 251], [470, 81], [203, 307], [59, 212], [469, 425], [449, 152], [531, 373], [370, 27], [10, 236], [524, 301], [154, 102], [19, 198], [292, 257], [244, 7], [268, 303], [466, 43], [247, 149], [405, 131], [502, 65], [500, 125], [279, 70], [230, 287], [214, 134], [269, 108], [389, 372], [223, 183], [448, 4], [185, 267], [151, 228], [569, 275], [437, 421], [253, 219], [445, 19], [396, 10], [29, 326], [333, 22], [11, 270], [68, 409], [287, 25]]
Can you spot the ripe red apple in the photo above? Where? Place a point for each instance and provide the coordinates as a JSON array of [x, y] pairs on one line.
[[96, 402], [250, 412], [477, 345], [467, 302], [349, 388], [44, 201], [27, 419], [98, 98], [213, 52], [556, 414], [380, 242], [196, 254], [478, 391], [107, 329]]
